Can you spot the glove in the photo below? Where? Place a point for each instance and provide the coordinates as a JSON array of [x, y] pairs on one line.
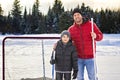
[[52, 61], [75, 74]]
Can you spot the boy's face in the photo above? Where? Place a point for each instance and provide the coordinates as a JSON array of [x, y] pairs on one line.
[[65, 39]]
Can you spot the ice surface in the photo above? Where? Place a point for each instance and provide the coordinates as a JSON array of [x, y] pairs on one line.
[[24, 58]]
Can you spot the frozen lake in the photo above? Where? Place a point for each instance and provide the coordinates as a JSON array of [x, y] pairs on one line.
[[24, 58]]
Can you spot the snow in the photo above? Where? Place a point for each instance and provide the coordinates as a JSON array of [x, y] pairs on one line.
[[24, 57]]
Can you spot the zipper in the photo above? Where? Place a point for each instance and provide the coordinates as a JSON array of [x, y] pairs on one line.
[[81, 36], [63, 57]]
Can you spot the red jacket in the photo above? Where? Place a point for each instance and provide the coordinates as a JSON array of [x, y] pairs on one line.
[[81, 37]]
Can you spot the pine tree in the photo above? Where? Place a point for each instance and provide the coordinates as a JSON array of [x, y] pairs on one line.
[[25, 14], [65, 21], [2, 22], [24, 22], [97, 18], [86, 11], [35, 9], [118, 20], [16, 15], [103, 21], [1, 11], [29, 21], [49, 21], [37, 19], [109, 22], [9, 28], [57, 9]]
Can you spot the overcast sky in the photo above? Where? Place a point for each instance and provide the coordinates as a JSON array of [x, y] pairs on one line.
[[68, 4]]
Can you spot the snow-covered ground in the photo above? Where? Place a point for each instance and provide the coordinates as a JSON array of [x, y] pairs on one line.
[[24, 57]]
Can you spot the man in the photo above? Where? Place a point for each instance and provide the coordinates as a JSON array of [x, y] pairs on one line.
[[82, 35]]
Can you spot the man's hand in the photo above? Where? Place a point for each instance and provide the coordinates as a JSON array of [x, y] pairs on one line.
[[93, 35]]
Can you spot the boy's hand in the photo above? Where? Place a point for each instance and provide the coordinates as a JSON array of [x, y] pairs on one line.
[[52, 61], [75, 74]]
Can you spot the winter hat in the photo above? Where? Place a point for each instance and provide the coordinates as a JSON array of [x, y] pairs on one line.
[[76, 10], [65, 32]]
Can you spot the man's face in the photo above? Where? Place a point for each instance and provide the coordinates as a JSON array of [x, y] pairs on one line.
[[77, 17]]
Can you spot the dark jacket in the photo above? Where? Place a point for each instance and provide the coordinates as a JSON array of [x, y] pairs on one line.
[[65, 57]]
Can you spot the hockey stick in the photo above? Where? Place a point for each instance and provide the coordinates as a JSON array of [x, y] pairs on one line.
[[93, 45], [53, 65]]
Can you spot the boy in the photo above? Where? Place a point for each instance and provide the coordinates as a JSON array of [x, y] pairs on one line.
[[65, 58]]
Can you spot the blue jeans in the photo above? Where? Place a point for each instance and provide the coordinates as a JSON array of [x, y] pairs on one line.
[[90, 67]]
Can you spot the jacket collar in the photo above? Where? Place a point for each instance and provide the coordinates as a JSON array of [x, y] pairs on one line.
[[78, 25], [61, 44], [85, 19]]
